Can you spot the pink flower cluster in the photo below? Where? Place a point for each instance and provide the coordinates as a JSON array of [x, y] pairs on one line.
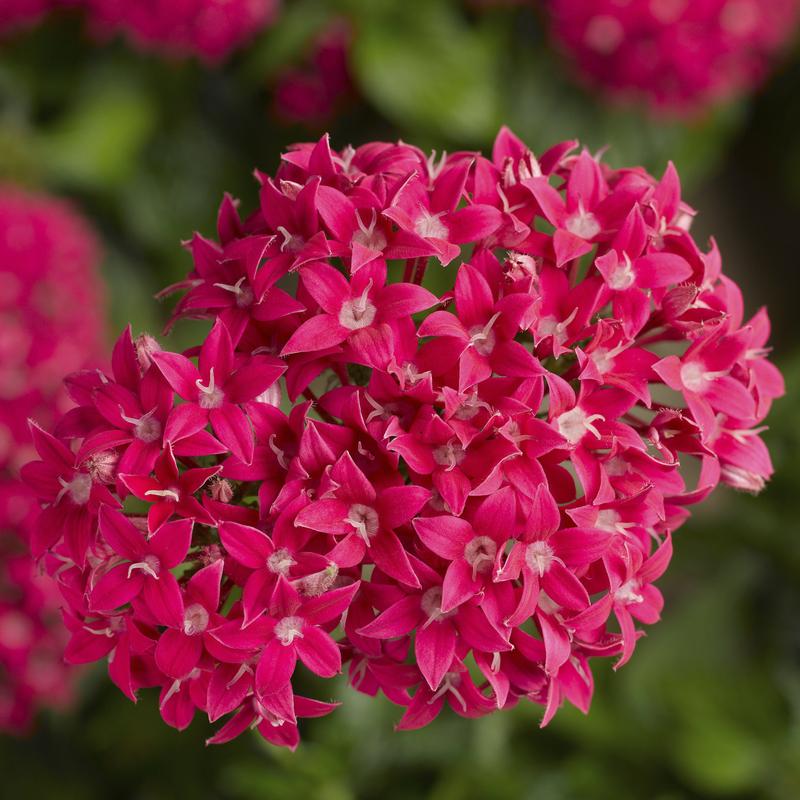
[[311, 93], [464, 494], [210, 29], [682, 55], [51, 318], [21, 13]]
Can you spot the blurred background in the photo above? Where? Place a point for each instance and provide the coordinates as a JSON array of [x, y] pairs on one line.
[[144, 141]]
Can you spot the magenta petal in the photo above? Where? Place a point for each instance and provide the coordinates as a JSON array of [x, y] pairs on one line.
[[403, 300], [234, 430], [275, 667], [330, 605], [397, 620], [177, 654], [319, 652], [399, 504], [247, 545], [564, 587], [434, 648], [317, 333], [224, 693], [325, 516], [179, 373], [458, 585], [390, 556], [556, 643], [184, 420], [163, 599], [115, 588], [171, 542], [121, 533], [204, 585], [446, 536]]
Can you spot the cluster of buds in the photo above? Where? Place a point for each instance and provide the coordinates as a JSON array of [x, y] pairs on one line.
[[48, 281], [463, 495], [678, 55]]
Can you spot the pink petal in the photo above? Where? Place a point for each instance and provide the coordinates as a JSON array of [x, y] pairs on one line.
[[275, 667], [171, 542], [434, 648], [249, 546], [177, 654], [319, 652], [123, 536], [397, 620], [317, 333], [458, 585], [163, 599], [115, 589], [447, 536], [179, 373], [234, 430]]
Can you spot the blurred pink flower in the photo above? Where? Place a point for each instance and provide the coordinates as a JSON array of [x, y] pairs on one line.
[[52, 313], [312, 92], [209, 29], [677, 55]]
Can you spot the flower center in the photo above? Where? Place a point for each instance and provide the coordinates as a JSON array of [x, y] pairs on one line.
[[449, 455], [241, 291], [150, 565], [539, 556], [79, 488], [431, 605], [211, 396], [430, 226], [280, 562], [693, 376], [583, 223], [623, 276], [195, 619], [288, 629], [628, 593], [364, 519], [369, 236], [166, 494], [146, 428], [480, 553], [358, 312], [483, 338], [573, 425]]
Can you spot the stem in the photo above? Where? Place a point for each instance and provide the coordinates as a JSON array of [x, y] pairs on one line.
[[419, 274]]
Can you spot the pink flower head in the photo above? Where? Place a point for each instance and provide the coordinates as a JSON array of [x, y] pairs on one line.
[[312, 92], [51, 314], [679, 55], [352, 469], [209, 29]]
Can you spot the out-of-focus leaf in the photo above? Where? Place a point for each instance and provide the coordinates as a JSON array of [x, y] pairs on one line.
[[97, 142], [424, 67]]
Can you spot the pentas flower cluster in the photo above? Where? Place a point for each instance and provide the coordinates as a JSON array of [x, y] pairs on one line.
[[48, 281], [210, 29], [680, 55], [465, 494]]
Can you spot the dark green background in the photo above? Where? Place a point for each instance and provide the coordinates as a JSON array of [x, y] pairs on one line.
[[710, 705]]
